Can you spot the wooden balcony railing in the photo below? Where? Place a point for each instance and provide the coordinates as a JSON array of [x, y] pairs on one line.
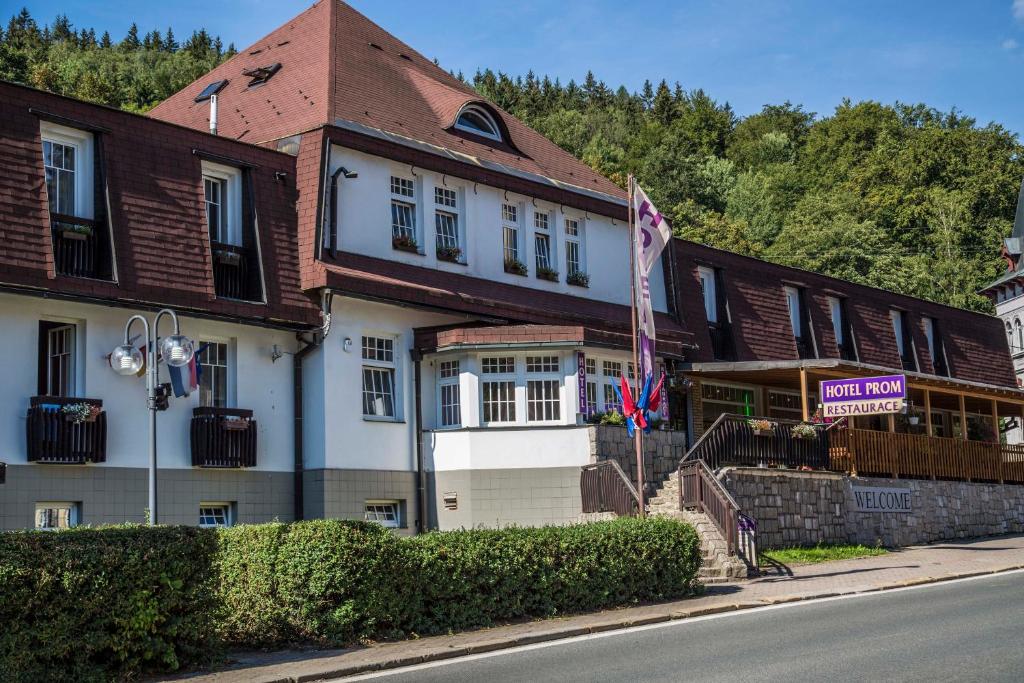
[[52, 437], [731, 441], [77, 246], [235, 272], [722, 346], [916, 456], [605, 488], [223, 437]]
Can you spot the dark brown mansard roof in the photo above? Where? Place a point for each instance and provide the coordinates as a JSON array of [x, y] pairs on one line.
[[154, 183], [975, 344]]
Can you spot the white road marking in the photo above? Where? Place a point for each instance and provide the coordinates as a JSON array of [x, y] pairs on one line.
[[675, 623]]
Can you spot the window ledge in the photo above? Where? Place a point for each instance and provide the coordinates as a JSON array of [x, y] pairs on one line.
[[385, 420]]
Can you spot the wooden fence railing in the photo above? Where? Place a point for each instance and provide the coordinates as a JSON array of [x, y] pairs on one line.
[[732, 441], [605, 488], [53, 437], [916, 456], [223, 437]]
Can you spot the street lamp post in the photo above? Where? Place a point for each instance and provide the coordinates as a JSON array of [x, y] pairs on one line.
[[177, 350]]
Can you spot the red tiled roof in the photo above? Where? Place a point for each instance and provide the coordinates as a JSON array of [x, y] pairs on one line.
[[975, 344], [161, 241], [339, 67]]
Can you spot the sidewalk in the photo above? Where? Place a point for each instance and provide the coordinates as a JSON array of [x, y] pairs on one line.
[[909, 566]]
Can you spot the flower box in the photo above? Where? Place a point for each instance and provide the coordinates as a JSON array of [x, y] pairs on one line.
[[578, 279], [449, 254], [230, 258], [549, 274], [404, 243], [515, 267], [76, 235]]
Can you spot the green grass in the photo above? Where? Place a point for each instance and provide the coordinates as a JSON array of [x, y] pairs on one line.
[[820, 553]]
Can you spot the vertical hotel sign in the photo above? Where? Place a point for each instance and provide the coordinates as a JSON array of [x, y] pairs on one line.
[[863, 396], [581, 381]]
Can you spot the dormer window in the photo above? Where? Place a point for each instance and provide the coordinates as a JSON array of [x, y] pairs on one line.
[[222, 190], [231, 222], [478, 121], [798, 320]]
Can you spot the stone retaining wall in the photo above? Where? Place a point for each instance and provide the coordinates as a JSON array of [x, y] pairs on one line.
[[662, 452], [805, 508]]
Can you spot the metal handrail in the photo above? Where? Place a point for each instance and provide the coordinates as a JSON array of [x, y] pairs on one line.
[[620, 478]]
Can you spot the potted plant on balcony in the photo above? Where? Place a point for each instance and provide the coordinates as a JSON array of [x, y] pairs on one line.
[[405, 243], [450, 254], [578, 278], [762, 427], [515, 266], [81, 412], [546, 273], [234, 424], [803, 431], [75, 231]]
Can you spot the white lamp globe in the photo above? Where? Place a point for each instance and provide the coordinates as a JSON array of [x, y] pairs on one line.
[[126, 360], [177, 350]]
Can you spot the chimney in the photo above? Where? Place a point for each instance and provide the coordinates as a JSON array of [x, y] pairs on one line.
[[213, 114]]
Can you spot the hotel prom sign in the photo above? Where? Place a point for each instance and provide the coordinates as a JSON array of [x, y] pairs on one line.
[[863, 396]]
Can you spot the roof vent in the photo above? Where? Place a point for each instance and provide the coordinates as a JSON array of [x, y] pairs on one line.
[[375, 45], [261, 74], [405, 57], [211, 90]]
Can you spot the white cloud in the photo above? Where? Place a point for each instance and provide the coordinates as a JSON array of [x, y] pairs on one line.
[[1018, 10], [1010, 44]]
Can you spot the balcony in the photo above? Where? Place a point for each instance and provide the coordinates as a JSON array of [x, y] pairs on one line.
[[721, 341], [235, 272], [223, 438], [55, 437], [79, 249]]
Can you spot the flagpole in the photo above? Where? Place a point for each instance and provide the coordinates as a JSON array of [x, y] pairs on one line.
[[637, 433]]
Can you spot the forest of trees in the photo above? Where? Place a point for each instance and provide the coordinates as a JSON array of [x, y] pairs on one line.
[[900, 196]]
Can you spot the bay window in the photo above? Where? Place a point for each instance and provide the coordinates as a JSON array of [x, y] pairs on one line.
[[498, 389], [448, 394]]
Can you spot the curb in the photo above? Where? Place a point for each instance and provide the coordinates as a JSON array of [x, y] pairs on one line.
[[399, 662]]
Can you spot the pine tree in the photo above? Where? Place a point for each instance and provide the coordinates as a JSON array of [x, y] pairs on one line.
[[105, 41], [131, 41], [170, 44]]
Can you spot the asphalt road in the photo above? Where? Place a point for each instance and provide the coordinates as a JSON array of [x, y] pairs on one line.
[[961, 631]]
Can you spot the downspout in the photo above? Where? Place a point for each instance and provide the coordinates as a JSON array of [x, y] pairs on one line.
[[306, 347], [421, 473], [331, 206]]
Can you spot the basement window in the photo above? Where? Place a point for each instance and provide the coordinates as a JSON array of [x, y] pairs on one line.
[[261, 74], [384, 512]]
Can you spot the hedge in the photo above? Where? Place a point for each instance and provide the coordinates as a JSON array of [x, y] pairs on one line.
[[94, 604]]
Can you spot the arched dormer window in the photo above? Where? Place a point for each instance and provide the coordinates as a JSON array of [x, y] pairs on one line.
[[477, 120]]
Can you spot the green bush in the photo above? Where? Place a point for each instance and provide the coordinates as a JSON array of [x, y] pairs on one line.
[[93, 604]]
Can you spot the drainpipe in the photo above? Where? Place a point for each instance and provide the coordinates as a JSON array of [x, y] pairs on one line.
[[421, 473], [306, 348], [332, 207], [213, 114]]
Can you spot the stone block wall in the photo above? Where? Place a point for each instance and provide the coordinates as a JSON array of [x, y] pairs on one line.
[[663, 450], [806, 508]]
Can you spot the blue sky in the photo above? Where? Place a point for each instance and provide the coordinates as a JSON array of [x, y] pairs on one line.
[[945, 53]]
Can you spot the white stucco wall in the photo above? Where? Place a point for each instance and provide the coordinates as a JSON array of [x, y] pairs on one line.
[[500, 449], [260, 385], [364, 227]]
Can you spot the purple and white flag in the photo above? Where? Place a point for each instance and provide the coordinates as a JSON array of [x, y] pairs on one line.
[[652, 234]]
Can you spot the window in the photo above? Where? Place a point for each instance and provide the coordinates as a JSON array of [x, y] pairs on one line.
[[210, 90], [403, 209], [591, 365], [897, 328], [56, 359], [222, 193], [510, 232], [573, 248], [68, 170], [936, 352], [261, 74], [542, 244], [541, 364], [540, 220], [707, 287], [795, 312], [383, 512], [477, 120], [212, 515], [720, 398], [1009, 338], [51, 516], [611, 372], [379, 377], [448, 390], [213, 376], [445, 221], [835, 307], [542, 400], [786, 404], [904, 344], [498, 390]]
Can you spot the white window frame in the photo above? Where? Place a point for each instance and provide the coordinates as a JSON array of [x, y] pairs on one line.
[[835, 307], [231, 180], [73, 509], [796, 322], [228, 510], [507, 377], [514, 226], [70, 356], [407, 200], [450, 382], [448, 204], [229, 370], [540, 371], [373, 509], [84, 144], [709, 293], [578, 239], [485, 115], [377, 365]]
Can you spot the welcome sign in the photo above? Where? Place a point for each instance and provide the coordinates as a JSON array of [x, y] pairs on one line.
[[863, 396]]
